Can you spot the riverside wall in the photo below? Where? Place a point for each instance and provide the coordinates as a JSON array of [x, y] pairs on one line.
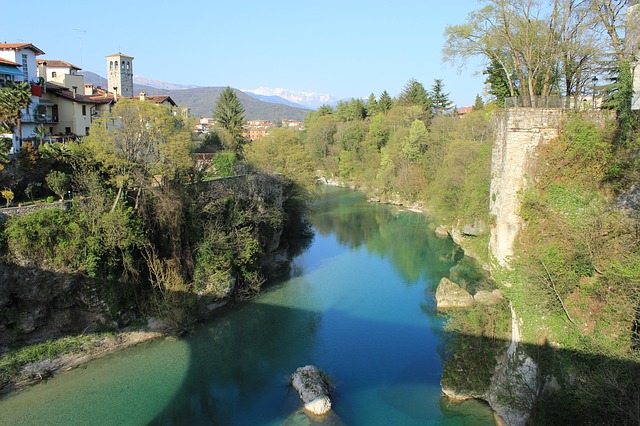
[[519, 132]]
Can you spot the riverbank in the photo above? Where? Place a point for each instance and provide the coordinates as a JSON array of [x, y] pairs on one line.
[[94, 346]]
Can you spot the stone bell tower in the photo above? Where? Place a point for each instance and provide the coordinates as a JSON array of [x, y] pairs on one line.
[[120, 74]]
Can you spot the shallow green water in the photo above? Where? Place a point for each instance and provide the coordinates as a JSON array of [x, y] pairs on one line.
[[359, 305]]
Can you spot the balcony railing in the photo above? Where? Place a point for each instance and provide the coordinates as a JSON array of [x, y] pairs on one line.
[[32, 118]]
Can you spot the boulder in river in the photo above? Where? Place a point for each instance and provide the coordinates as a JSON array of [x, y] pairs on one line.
[[314, 389], [451, 295]]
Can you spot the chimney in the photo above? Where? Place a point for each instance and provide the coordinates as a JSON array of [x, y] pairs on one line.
[[115, 93], [75, 89], [143, 96], [88, 89]]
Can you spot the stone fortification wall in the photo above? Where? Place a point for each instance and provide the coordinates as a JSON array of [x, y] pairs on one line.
[[519, 131]]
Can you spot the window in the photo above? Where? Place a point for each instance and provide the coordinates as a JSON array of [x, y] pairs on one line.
[[86, 131], [67, 130], [25, 68], [116, 65], [54, 74], [111, 65], [84, 110]]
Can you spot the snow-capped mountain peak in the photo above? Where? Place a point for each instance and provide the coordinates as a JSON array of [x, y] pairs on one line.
[[308, 99]]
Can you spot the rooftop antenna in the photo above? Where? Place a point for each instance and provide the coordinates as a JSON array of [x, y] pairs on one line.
[[80, 37]]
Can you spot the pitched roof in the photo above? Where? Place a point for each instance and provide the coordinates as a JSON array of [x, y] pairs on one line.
[[158, 99], [64, 92], [10, 63], [57, 63], [161, 99], [18, 46], [120, 54]]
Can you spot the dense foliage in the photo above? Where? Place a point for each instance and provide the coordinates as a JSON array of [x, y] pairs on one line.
[[405, 153], [144, 225]]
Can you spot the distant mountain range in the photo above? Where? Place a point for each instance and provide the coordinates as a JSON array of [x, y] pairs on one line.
[[305, 99], [202, 100]]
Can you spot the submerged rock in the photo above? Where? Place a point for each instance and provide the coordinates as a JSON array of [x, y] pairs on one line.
[[451, 295], [314, 389]]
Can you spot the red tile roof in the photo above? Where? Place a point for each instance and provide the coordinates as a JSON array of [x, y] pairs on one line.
[[158, 99], [57, 63], [6, 62], [64, 92], [18, 46], [465, 110]]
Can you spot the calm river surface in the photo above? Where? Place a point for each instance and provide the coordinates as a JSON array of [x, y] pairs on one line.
[[360, 305]]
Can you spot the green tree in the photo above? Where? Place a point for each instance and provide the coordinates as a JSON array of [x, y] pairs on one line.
[[414, 93], [14, 97], [351, 110], [58, 182], [416, 142], [229, 114], [139, 140], [7, 194], [371, 106], [440, 100], [282, 151], [385, 102], [325, 110], [478, 104]]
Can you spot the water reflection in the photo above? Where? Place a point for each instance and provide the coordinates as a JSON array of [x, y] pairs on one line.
[[403, 237], [360, 307]]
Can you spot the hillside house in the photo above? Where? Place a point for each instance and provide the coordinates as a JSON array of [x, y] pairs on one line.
[[19, 63], [68, 106]]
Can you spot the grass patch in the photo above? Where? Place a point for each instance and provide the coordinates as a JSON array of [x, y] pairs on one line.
[[12, 362]]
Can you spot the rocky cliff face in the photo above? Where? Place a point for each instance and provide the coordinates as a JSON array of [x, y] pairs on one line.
[[38, 304]]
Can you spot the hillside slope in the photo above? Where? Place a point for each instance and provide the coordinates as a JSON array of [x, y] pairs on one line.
[[202, 100]]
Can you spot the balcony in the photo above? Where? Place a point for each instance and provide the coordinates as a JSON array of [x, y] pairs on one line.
[[39, 118]]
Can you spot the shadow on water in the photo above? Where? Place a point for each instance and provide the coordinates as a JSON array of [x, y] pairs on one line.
[[238, 373], [387, 370]]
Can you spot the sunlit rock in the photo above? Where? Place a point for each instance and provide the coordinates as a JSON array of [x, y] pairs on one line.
[[314, 389], [488, 298], [451, 295], [442, 231]]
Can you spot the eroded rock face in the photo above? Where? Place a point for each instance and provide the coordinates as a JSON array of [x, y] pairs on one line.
[[37, 305], [314, 390], [451, 295]]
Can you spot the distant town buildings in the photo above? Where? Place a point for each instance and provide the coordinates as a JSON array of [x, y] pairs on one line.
[[62, 105], [252, 130]]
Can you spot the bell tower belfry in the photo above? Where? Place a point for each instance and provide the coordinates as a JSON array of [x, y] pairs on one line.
[[120, 74]]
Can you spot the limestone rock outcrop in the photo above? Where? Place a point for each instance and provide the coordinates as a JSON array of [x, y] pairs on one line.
[[314, 389], [451, 295], [488, 298]]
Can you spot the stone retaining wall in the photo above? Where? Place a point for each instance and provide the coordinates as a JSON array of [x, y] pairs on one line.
[[8, 212]]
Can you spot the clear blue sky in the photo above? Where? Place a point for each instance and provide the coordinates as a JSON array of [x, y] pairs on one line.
[[343, 48]]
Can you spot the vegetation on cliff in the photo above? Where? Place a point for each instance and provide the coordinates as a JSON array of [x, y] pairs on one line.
[[149, 233]]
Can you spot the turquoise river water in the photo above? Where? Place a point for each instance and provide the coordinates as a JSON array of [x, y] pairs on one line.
[[359, 304]]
